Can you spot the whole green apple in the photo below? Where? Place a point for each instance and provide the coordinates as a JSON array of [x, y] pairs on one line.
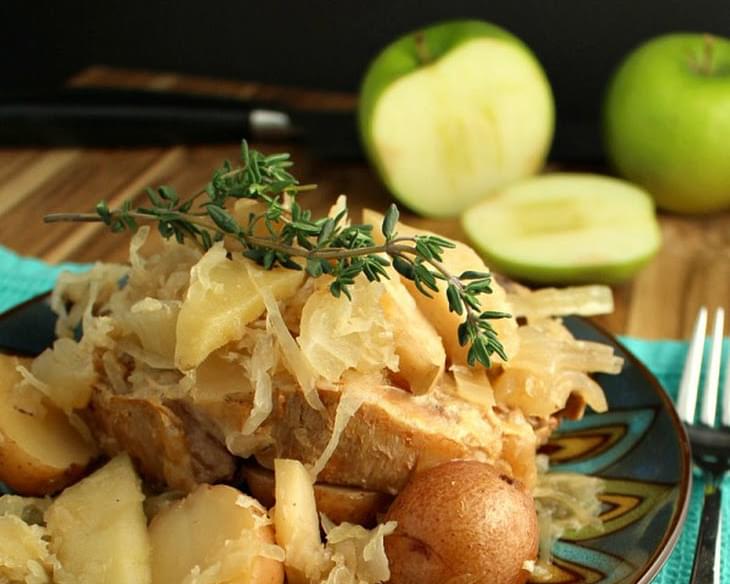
[[449, 113], [667, 121]]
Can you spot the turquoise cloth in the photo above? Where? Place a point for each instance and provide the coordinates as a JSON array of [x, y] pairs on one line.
[[665, 359], [23, 278]]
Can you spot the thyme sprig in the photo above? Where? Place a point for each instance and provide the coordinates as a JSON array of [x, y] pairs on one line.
[[327, 245]]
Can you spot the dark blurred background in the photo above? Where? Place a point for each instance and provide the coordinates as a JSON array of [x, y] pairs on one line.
[[321, 44]]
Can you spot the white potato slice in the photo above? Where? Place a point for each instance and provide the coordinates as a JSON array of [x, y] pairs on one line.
[[98, 528], [40, 451], [215, 535]]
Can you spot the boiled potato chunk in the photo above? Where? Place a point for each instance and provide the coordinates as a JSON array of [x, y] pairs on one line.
[[436, 309], [98, 528], [221, 300], [297, 523], [418, 346], [40, 451], [218, 534]]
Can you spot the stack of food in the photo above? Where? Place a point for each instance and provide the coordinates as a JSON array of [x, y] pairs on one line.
[[250, 408]]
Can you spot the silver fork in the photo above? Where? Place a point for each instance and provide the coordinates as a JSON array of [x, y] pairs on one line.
[[710, 444]]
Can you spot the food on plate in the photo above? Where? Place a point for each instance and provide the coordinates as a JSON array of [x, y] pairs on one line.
[[98, 530], [566, 228], [453, 111], [316, 374], [220, 301], [458, 259], [340, 504], [41, 450], [297, 522], [215, 535], [351, 553], [667, 118], [462, 521], [24, 555]]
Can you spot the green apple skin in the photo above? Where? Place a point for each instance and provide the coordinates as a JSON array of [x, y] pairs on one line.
[[402, 57], [544, 276], [667, 121]]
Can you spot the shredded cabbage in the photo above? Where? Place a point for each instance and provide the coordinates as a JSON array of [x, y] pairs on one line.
[[565, 502], [24, 552], [341, 334], [350, 402], [545, 302], [291, 353], [258, 367], [357, 554]]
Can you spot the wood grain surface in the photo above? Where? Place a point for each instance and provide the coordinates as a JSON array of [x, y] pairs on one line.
[[692, 268]]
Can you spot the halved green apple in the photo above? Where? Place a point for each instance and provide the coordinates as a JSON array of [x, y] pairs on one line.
[[451, 112], [566, 228]]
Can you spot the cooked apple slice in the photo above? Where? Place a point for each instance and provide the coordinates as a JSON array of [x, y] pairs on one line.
[[421, 355], [436, 309], [98, 528], [218, 533], [297, 523], [566, 228], [40, 451], [222, 300]]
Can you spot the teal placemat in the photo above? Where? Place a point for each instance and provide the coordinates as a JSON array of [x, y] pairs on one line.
[[22, 278]]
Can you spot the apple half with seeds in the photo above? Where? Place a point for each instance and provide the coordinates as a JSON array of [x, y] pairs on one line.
[[566, 228], [449, 113]]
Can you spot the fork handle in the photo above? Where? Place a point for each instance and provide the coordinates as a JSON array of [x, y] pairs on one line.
[[706, 568]]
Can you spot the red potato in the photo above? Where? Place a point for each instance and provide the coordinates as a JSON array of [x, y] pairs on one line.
[[462, 522]]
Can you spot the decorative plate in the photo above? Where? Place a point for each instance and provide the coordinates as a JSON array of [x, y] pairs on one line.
[[639, 448]]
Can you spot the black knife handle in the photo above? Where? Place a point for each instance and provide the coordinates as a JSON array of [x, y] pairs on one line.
[[114, 117]]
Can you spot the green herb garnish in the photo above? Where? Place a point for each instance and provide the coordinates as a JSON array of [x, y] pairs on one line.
[[327, 245]]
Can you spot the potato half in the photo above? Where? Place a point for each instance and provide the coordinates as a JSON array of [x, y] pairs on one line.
[[40, 451], [461, 522]]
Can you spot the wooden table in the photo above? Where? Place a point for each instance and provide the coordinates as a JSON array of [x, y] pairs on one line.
[[692, 268]]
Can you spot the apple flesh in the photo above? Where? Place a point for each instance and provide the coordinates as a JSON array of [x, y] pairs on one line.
[[667, 121], [452, 112], [566, 228]]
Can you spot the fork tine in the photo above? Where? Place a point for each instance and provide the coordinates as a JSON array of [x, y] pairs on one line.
[[712, 378], [688, 386], [726, 395]]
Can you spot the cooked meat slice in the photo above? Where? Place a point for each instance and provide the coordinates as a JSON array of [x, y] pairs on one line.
[[167, 448], [391, 435], [182, 439]]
